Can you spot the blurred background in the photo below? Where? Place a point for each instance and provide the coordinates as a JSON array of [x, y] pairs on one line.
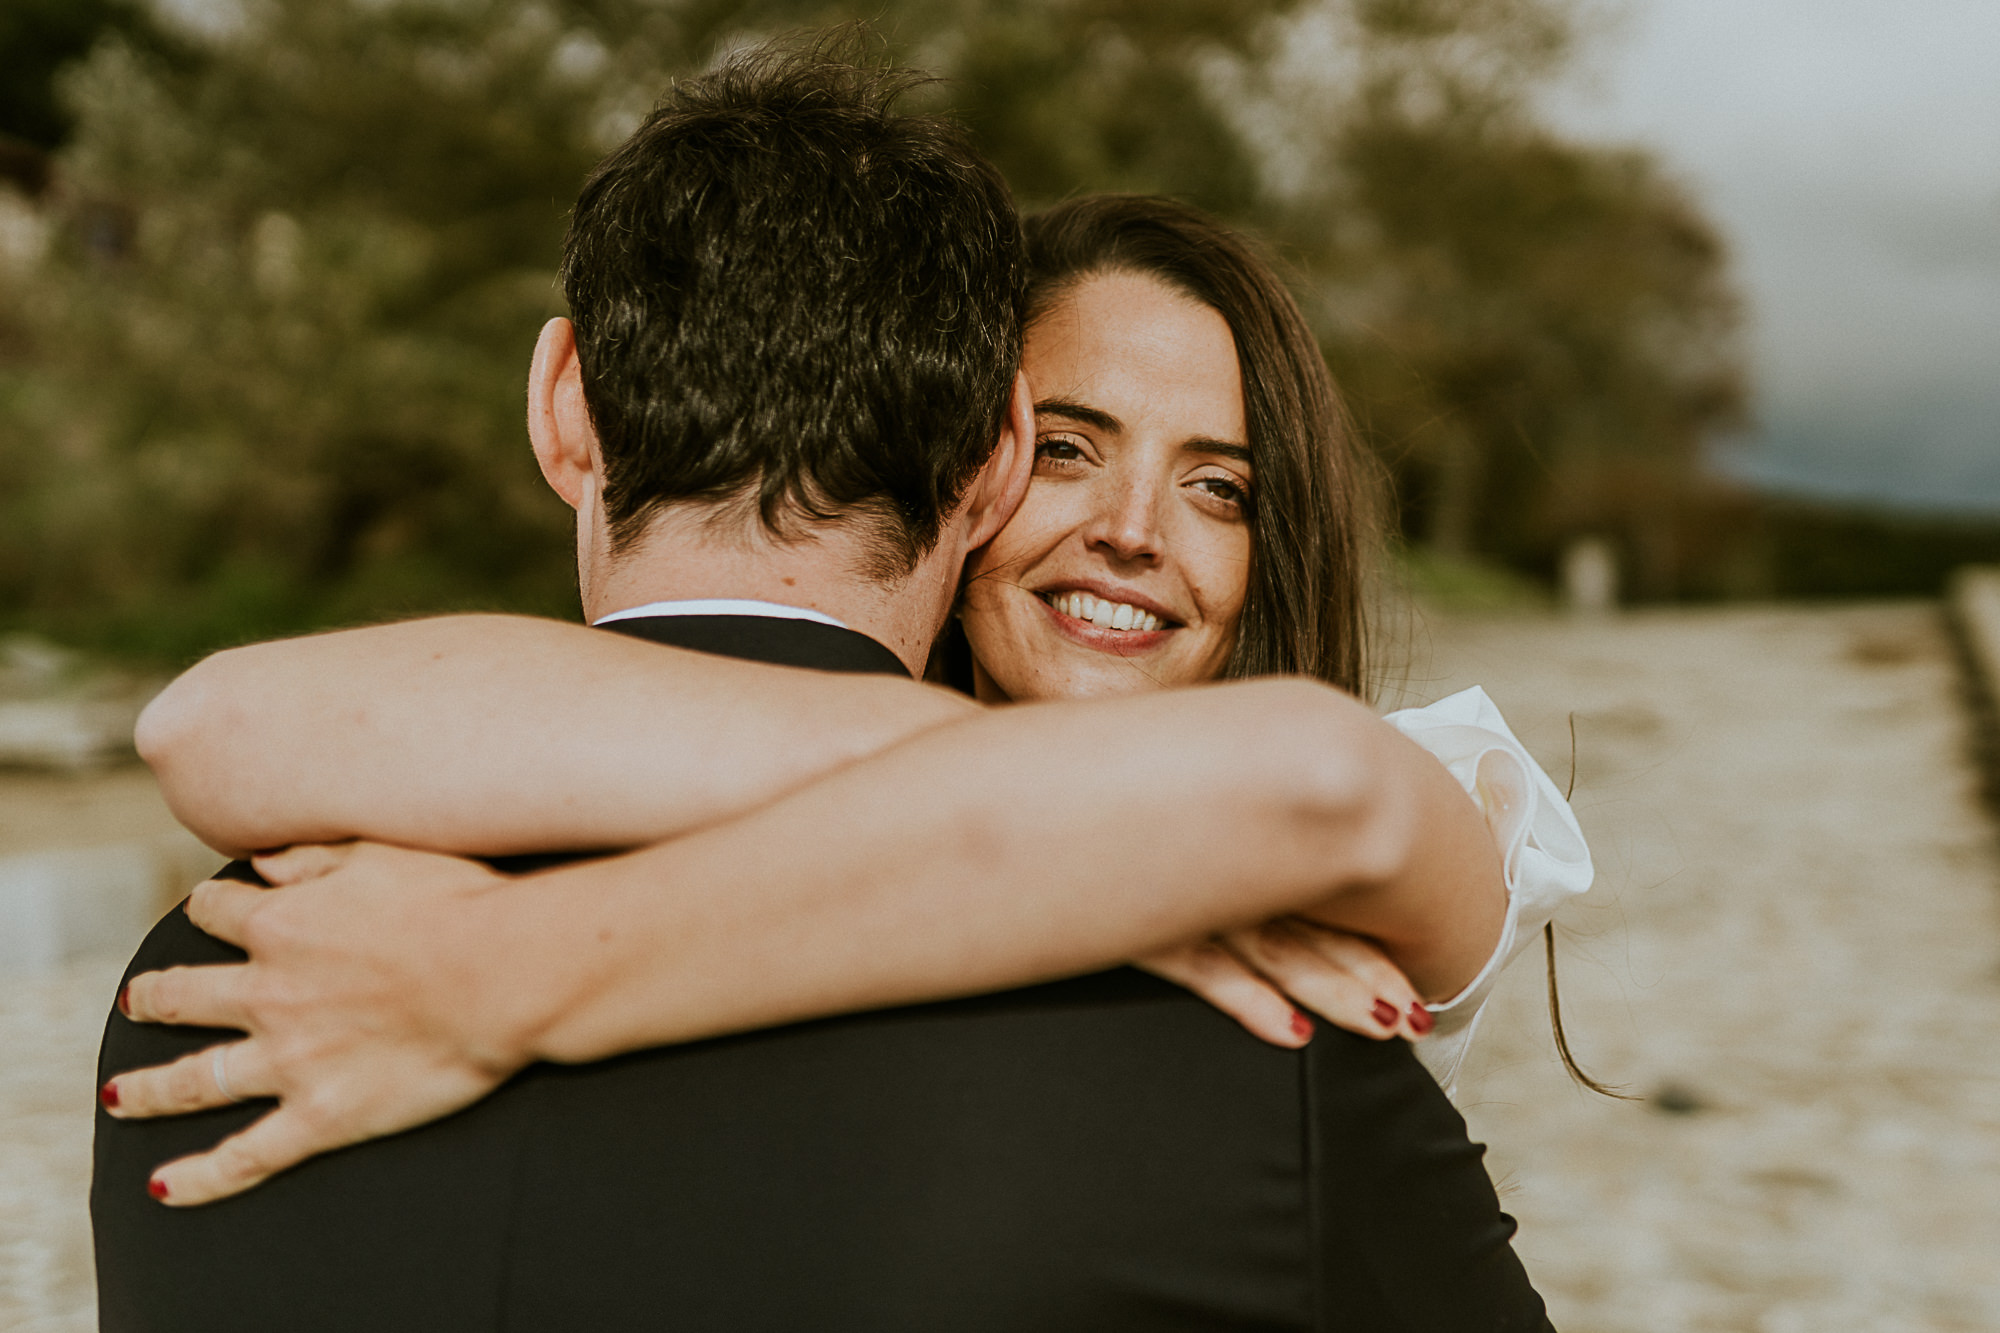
[[1676, 324], [1707, 285]]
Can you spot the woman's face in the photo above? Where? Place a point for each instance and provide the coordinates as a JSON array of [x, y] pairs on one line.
[[1126, 565]]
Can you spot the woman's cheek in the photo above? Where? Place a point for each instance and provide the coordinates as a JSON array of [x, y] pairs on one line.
[[995, 643]]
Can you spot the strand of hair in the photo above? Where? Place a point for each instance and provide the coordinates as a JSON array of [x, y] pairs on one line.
[[1576, 1071], [1555, 995]]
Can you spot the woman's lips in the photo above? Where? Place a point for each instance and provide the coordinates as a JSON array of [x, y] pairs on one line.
[[1118, 642]]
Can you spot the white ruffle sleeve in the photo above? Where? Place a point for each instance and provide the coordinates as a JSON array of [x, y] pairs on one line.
[[1541, 847]]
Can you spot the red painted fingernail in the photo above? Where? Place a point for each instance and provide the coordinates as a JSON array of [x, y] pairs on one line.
[[1421, 1020], [1385, 1013], [157, 1188], [108, 1094], [1302, 1027], [125, 999]]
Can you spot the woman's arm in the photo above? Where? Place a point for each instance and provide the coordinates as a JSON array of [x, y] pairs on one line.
[[1031, 843], [488, 735], [1023, 844], [485, 735]]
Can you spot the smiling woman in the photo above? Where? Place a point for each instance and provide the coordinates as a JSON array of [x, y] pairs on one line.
[[1125, 566], [1198, 511], [1186, 430]]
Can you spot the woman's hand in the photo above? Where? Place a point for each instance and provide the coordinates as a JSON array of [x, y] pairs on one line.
[[355, 1025], [1263, 976]]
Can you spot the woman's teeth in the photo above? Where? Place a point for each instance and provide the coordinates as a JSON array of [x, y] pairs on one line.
[[1104, 614]]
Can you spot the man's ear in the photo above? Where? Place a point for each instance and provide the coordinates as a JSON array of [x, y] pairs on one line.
[[559, 424], [997, 491]]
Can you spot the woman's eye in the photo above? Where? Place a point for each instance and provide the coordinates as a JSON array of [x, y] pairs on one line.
[[1058, 450], [1222, 488]]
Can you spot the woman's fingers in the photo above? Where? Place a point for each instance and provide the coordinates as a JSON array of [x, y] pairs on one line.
[[1262, 976], [208, 996], [347, 1055], [275, 1142], [1222, 979], [1342, 978], [217, 1076], [222, 907], [305, 861]]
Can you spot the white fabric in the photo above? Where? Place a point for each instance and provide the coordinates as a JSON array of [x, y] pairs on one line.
[[722, 606], [1541, 847]]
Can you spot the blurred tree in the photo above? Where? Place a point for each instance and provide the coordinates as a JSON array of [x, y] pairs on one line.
[[37, 39], [1539, 335], [277, 346]]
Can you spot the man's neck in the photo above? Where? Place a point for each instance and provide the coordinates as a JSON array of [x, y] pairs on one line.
[[684, 558]]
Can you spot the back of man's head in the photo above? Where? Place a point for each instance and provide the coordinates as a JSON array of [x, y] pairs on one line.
[[787, 292]]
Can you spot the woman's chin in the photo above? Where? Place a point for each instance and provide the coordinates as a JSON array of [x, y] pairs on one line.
[[1044, 687], [1064, 670]]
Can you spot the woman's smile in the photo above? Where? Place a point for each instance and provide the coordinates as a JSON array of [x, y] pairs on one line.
[[1127, 564], [1104, 620]]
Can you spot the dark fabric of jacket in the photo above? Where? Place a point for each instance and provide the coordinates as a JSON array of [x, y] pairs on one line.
[[1105, 1153]]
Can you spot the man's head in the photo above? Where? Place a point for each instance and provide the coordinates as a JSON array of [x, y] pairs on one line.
[[794, 301]]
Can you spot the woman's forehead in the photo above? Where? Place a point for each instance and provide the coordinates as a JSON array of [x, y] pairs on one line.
[[1134, 348]]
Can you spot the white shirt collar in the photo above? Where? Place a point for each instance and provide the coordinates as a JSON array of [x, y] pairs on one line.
[[721, 606]]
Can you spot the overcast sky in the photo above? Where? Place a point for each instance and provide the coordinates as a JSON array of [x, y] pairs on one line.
[[1850, 150]]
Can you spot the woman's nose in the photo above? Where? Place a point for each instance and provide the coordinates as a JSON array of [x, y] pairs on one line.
[[1126, 527]]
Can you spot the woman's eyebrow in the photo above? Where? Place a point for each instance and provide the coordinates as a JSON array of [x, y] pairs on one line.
[[1082, 413], [1099, 419], [1203, 445]]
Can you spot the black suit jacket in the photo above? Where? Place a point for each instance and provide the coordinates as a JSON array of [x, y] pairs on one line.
[[1106, 1153]]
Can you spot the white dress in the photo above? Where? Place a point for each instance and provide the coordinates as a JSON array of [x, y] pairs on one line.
[[1541, 848]]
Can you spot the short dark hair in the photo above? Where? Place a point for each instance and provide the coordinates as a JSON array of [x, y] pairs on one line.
[[1313, 492], [783, 289]]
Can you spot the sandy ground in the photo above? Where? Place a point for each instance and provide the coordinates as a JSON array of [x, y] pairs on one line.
[[49, 1028], [1796, 937]]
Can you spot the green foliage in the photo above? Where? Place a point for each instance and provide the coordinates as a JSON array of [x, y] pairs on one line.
[[1464, 583], [268, 374], [38, 38], [1818, 550], [277, 357]]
